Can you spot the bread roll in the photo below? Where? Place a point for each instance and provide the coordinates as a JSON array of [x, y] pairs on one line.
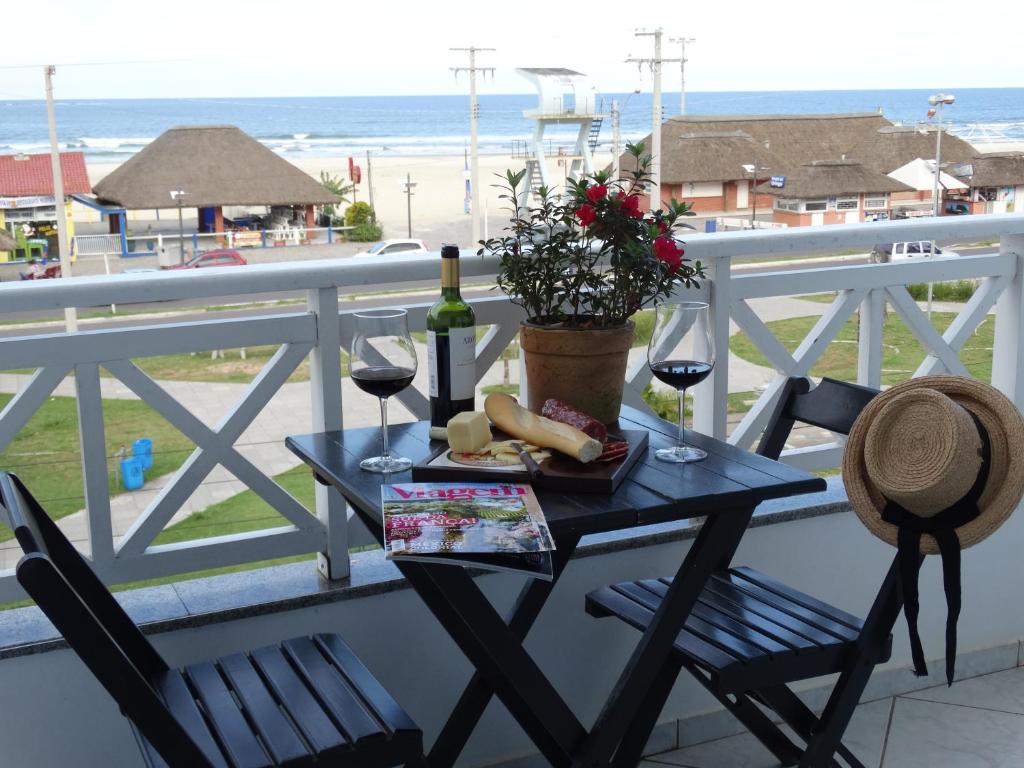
[[510, 417]]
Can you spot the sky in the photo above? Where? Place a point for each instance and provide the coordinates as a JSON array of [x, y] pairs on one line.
[[187, 48]]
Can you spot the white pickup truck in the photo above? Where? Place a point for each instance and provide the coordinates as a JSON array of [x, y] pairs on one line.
[[912, 249]]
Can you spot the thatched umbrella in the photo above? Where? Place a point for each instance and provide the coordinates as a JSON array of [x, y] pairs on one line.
[[7, 241], [216, 165]]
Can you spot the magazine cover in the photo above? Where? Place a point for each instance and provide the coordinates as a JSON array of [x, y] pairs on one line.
[[498, 526]]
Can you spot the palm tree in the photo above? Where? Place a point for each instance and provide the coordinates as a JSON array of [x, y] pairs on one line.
[[338, 186]]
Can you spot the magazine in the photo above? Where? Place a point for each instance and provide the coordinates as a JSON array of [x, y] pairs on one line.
[[496, 526]]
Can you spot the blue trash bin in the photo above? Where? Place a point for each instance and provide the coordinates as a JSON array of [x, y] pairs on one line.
[[710, 225], [131, 474], [142, 449]]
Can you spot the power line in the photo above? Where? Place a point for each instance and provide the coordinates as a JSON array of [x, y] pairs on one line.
[[655, 64]]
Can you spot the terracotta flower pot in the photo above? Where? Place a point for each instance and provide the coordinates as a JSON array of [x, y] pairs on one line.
[[584, 367]]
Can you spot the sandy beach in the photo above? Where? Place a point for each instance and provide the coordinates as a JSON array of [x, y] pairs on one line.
[[438, 198]]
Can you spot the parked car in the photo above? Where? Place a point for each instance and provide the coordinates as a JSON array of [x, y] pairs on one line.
[[391, 247], [223, 258], [954, 208], [913, 249]]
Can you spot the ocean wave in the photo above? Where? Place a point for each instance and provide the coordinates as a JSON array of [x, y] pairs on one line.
[[114, 142]]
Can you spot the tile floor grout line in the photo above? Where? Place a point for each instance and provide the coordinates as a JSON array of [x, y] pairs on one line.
[[964, 706], [888, 728]]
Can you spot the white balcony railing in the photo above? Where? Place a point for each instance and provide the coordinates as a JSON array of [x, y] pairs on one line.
[[319, 330]]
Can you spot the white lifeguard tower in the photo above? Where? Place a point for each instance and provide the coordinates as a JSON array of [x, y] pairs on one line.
[[566, 99]]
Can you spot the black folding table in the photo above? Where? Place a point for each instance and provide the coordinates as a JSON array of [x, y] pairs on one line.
[[726, 487]]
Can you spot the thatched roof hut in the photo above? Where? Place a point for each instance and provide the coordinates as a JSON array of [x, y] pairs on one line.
[[727, 142], [7, 241], [994, 169], [894, 146], [833, 177], [216, 165], [710, 156]]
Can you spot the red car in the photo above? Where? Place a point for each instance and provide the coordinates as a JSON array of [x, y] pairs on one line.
[[213, 259]]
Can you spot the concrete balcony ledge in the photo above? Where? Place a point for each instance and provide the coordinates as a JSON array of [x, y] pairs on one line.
[[211, 600]]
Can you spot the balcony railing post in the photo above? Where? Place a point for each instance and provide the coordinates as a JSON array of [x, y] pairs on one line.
[[1007, 353], [325, 395], [869, 343], [711, 398], [95, 480]]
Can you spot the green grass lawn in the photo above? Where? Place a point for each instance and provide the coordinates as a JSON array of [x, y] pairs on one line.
[[46, 454], [901, 352]]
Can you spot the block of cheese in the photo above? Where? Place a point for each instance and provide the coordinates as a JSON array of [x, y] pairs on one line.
[[468, 432]]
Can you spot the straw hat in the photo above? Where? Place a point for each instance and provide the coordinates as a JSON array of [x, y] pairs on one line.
[[918, 445]]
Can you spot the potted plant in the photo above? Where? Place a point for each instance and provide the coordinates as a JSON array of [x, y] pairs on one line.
[[581, 265]]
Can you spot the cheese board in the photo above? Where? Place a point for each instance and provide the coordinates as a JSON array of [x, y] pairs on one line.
[[557, 472]]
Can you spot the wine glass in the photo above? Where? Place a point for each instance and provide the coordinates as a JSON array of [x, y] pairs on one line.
[[383, 363], [681, 353]]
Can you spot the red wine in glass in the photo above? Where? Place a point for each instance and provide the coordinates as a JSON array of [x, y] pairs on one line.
[[681, 374], [382, 362], [681, 354], [383, 380]]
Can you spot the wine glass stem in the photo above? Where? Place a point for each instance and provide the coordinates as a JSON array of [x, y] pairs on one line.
[[385, 448], [682, 415]]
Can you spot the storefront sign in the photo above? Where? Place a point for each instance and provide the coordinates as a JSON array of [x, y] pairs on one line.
[[777, 181], [39, 201]]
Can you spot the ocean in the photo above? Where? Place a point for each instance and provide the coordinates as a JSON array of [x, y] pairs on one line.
[[114, 129]]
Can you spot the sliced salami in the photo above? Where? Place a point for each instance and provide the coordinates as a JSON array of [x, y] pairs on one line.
[[559, 410]]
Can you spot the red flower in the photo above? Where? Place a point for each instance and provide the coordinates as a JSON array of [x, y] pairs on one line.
[[667, 251], [631, 206], [662, 226], [586, 214], [597, 192]]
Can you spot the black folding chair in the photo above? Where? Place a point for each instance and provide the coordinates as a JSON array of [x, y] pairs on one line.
[[308, 701], [750, 636]]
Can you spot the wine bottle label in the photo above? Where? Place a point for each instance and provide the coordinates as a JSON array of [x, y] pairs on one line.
[[433, 387], [451, 363], [462, 350]]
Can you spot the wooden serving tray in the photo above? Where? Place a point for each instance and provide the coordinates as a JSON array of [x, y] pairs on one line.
[[560, 473]]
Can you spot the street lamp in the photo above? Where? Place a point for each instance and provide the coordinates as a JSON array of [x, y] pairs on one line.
[[937, 102], [178, 195]]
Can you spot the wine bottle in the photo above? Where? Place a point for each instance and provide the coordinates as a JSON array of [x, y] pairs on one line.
[[451, 346]]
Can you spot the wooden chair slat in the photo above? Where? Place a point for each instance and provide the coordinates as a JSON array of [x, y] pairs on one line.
[[809, 616], [818, 606], [182, 705], [721, 638], [278, 734], [751, 604], [608, 602], [726, 622], [782, 634], [226, 719], [299, 702], [383, 704], [337, 698]]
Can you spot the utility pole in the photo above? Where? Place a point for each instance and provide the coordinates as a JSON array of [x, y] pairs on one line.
[[70, 313], [655, 65], [616, 140], [682, 69], [474, 113], [369, 188], [408, 184]]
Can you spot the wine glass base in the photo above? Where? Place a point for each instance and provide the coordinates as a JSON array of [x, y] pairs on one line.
[[680, 454], [385, 464]]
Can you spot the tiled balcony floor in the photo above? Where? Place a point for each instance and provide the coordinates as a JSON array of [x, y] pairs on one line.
[[978, 723]]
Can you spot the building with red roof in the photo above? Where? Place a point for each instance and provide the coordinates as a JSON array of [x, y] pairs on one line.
[[27, 208]]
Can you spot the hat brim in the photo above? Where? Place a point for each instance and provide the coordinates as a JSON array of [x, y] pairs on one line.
[[1005, 486]]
